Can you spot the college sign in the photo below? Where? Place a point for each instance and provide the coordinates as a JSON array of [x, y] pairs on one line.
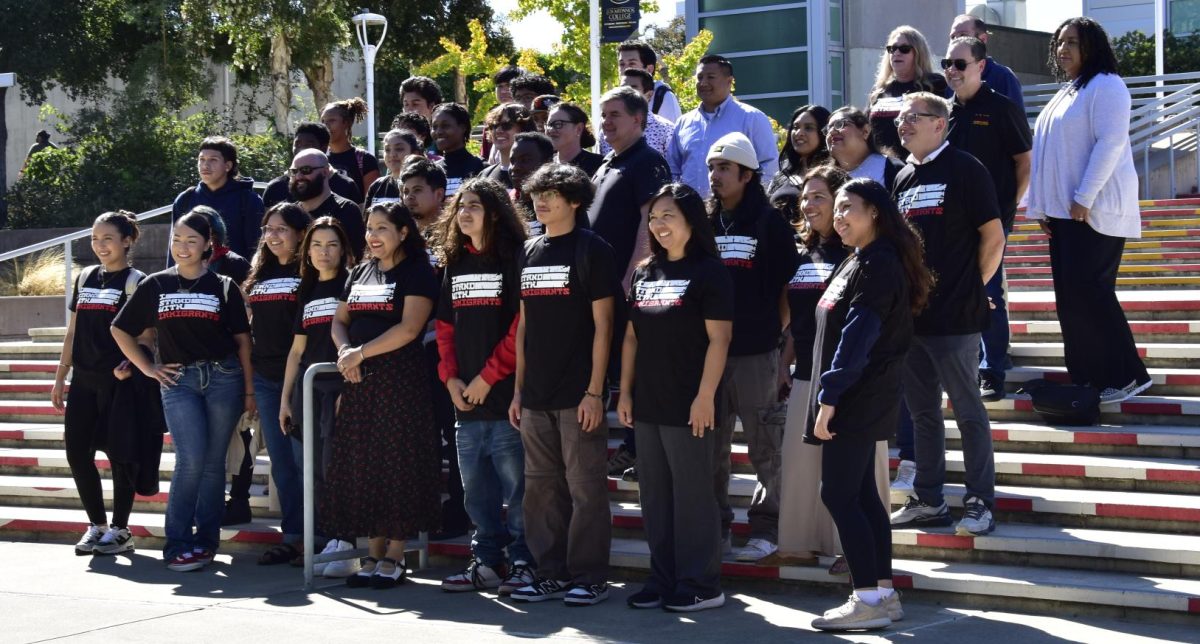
[[618, 19]]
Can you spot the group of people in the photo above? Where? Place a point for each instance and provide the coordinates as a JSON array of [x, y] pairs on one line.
[[701, 276]]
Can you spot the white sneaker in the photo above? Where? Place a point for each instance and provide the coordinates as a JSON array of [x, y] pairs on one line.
[[756, 549], [906, 475], [977, 518], [476, 576], [520, 575], [343, 567], [91, 537], [331, 546], [115, 541], [894, 610], [854, 615]]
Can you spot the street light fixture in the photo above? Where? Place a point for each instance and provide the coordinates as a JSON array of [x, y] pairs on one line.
[[362, 21]]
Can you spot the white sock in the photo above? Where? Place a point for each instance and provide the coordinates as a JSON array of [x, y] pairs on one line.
[[884, 593], [869, 596]]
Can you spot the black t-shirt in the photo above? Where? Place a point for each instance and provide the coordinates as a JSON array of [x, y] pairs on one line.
[[459, 166], [804, 290], [993, 129], [559, 327], [349, 215], [588, 161], [315, 319], [385, 189], [948, 199], [95, 303], [886, 107], [195, 319], [757, 247], [480, 297], [497, 172], [273, 312], [669, 303], [340, 184], [624, 183], [376, 298], [354, 164], [231, 265], [868, 406]]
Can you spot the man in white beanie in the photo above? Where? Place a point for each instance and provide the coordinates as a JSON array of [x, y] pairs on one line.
[[757, 248]]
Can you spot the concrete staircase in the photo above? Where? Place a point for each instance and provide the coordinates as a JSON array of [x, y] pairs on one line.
[[1103, 518]]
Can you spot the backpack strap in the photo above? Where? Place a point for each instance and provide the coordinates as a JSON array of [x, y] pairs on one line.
[[660, 93], [583, 262], [360, 156], [131, 281], [84, 275]]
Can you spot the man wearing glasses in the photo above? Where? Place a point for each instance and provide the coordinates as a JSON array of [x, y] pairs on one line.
[[309, 186], [997, 76], [992, 129], [948, 195]]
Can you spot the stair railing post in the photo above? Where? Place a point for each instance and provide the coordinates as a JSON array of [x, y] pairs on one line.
[[1146, 172], [67, 261], [307, 438], [1171, 166]]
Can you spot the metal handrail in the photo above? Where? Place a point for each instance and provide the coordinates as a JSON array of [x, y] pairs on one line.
[[310, 526], [66, 240]]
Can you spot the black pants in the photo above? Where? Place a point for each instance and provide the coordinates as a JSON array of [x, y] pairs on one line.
[[1097, 343], [239, 484], [454, 513], [85, 422], [849, 492]]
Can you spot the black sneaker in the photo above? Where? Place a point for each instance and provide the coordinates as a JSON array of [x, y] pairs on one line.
[[919, 514], [237, 511], [586, 594], [644, 599], [630, 475], [115, 541], [990, 390], [541, 590], [693, 603], [621, 460]]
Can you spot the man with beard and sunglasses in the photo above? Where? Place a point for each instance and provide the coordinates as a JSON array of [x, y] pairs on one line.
[[310, 136], [309, 186]]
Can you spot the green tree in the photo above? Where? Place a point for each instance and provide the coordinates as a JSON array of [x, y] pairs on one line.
[[668, 39], [1135, 53]]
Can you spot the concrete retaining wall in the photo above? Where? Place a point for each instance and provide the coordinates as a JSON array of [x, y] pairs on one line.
[[19, 314]]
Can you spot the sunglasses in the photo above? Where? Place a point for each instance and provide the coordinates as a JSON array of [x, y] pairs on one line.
[[558, 125], [956, 63], [904, 49], [505, 127], [306, 169]]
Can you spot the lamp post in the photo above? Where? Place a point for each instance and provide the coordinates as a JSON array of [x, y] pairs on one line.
[[361, 22]]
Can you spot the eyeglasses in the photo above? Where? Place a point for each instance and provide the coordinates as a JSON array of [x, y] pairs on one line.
[[504, 127], [839, 124], [956, 63], [274, 230], [911, 118], [306, 169], [559, 124], [904, 49]]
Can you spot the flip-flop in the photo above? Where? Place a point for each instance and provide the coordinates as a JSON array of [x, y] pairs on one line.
[[279, 554]]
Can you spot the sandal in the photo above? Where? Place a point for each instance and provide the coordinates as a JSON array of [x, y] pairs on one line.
[[839, 567], [279, 554], [362, 578], [385, 579]]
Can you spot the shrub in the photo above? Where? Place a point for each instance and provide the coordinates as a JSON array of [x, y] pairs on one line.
[[135, 156], [39, 274]]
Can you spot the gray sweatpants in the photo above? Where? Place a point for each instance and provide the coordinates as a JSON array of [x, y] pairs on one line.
[[748, 390], [950, 362]]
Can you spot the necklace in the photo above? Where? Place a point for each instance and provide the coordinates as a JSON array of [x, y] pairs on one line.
[[179, 282], [106, 277], [724, 226]]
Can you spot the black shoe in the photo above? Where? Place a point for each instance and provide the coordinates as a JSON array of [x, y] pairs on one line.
[[381, 580], [990, 389], [644, 599], [630, 475], [237, 511], [366, 572], [693, 603]]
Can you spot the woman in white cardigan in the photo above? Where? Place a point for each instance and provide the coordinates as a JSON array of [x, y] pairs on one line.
[[1083, 192]]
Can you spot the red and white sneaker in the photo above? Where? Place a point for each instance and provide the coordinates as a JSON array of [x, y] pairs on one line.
[[187, 562], [476, 576]]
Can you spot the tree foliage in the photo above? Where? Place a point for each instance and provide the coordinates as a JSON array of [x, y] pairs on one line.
[[1135, 53]]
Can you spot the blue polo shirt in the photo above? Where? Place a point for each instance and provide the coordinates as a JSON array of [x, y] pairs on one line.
[[1004, 81], [697, 131]]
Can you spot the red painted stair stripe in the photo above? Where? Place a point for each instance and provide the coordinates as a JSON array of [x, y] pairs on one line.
[[1014, 505], [1104, 438], [953, 541], [1147, 512], [1189, 476], [1051, 469]]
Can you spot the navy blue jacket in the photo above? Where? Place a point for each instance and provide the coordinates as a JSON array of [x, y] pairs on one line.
[[239, 205]]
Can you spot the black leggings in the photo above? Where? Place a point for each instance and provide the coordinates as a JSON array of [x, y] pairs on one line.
[[849, 492], [87, 409]]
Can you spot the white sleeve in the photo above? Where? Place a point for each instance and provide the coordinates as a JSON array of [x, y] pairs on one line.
[[670, 107], [1108, 109]]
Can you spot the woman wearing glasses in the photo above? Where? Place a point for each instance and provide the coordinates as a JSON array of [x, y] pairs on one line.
[[1083, 192], [271, 292], [504, 123], [906, 66], [852, 148], [568, 129]]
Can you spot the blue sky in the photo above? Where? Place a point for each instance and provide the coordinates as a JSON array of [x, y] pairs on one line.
[[540, 31]]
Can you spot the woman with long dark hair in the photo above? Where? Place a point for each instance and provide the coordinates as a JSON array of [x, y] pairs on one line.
[[864, 325], [271, 292], [1083, 192], [804, 146], [361, 166], [675, 345], [326, 256], [91, 355], [203, 369], [383, 480]]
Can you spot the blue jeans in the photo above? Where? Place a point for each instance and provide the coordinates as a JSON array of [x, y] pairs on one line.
[[284, 472], [492, 461], [201, 410], [994, 360]]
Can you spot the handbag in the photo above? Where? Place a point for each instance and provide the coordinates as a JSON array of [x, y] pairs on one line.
[[1063, 404]]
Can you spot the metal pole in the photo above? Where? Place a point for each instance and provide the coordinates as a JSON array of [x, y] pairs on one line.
[[594, 36], [1171, 165], [1146, 173], [67, 261], [1197, 142], [310, 527], [369, 56]]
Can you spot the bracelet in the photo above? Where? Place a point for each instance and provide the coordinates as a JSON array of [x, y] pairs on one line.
[[596, 396], [342, 347], [63, 364], [362, 352]]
